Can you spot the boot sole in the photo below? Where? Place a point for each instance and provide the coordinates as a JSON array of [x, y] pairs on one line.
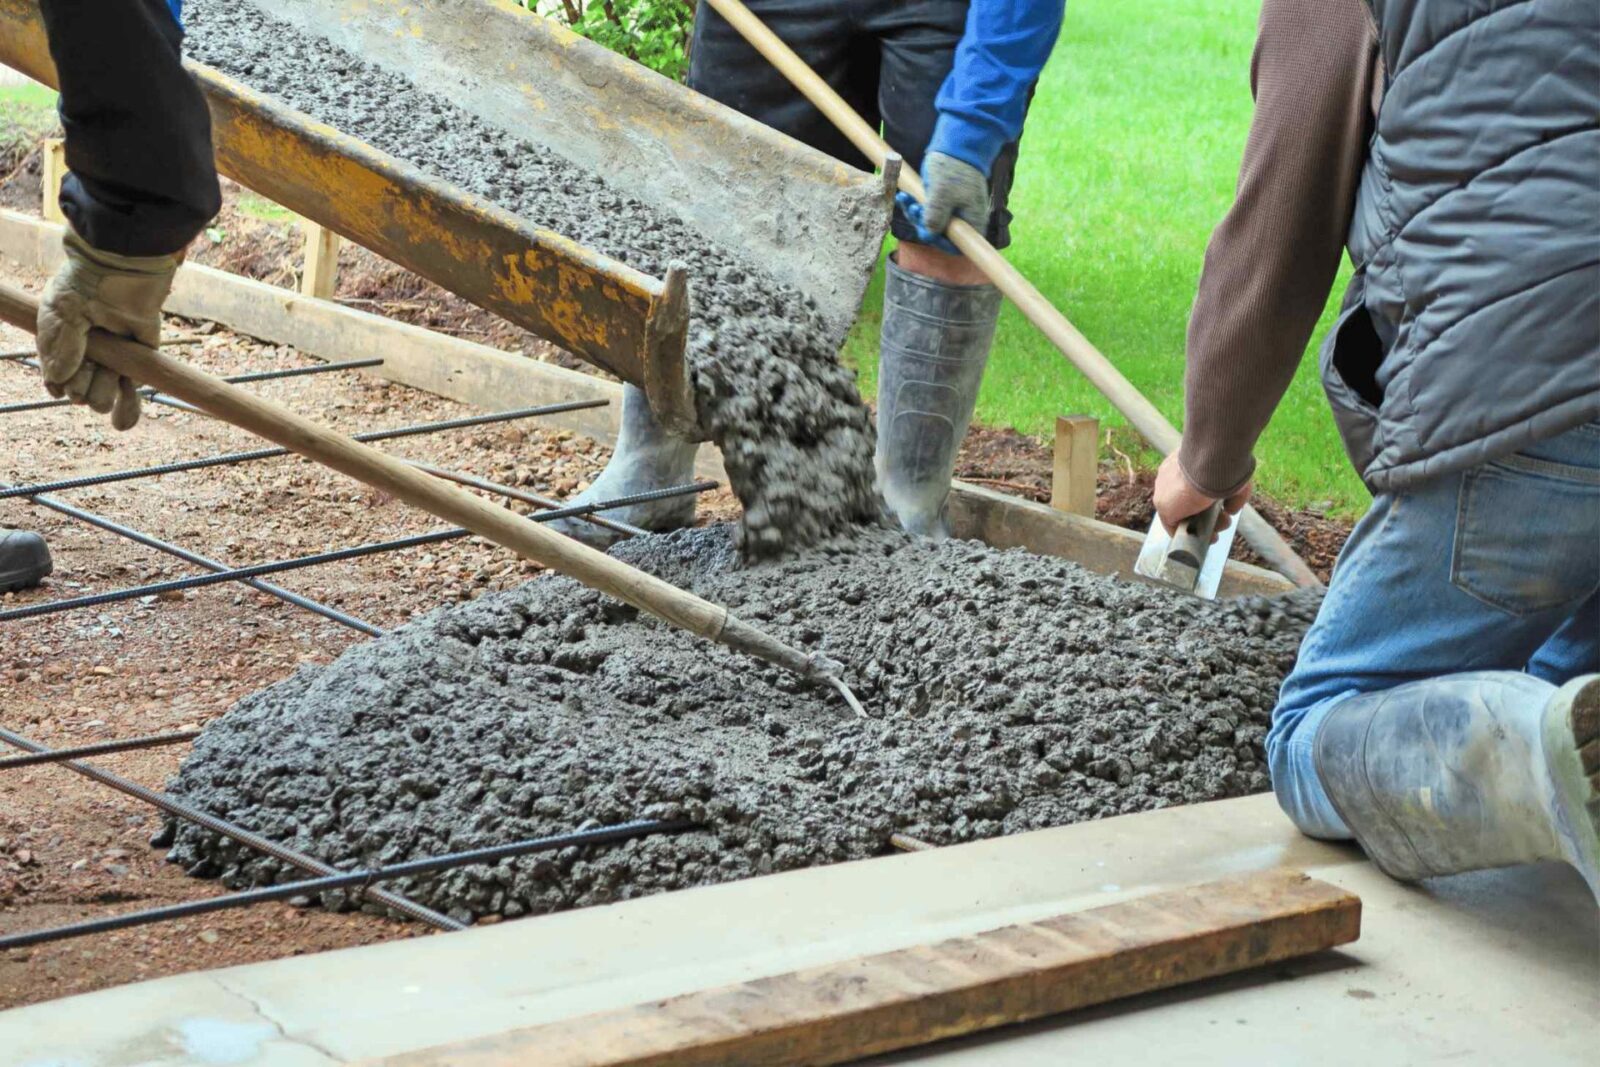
[[1572, 749], [20, 578]]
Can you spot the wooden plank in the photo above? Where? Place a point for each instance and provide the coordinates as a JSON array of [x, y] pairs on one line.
[[319, 270], [1012, 522], [1077, 453], [53, 170], [842, 1012]]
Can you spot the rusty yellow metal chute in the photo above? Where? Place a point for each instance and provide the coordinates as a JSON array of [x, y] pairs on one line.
[[738, 182]]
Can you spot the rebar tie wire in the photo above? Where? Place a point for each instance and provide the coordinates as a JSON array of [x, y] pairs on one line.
[[361, 879], [181, 810], [238, 379], [230, 458], [337, 555]]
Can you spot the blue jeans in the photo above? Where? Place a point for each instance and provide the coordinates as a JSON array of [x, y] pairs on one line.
[[1496, 568]]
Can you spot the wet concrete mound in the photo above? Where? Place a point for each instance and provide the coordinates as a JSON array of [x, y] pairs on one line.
[[1009, 692], [795, 437]]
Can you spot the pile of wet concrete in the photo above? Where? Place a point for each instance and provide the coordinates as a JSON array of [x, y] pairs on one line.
[[795, 437], [1008, 692]]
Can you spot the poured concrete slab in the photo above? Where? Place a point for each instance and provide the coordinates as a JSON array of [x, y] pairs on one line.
[[1493, 967]]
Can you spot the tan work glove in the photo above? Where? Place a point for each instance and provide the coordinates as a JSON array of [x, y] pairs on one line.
[[119, 294]]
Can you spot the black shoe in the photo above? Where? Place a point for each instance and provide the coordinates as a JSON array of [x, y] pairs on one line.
[[24, 560]]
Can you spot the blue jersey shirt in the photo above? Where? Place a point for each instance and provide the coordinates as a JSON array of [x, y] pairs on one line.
[[982, 102]]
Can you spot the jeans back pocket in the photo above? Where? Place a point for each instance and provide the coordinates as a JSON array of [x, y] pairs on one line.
[[1528, 534]]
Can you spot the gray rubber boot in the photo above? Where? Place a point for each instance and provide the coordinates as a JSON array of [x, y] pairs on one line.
[[935, 343], [646, 457], [1468, 772], [24, 560]]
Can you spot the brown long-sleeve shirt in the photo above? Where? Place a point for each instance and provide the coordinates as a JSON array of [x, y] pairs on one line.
[[1317, 80]]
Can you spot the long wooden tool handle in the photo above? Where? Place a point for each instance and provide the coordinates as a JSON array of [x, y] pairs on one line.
[[299, 434], [1140, 413]]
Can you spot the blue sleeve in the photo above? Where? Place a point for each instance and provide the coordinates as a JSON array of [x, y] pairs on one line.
[[982, 102]]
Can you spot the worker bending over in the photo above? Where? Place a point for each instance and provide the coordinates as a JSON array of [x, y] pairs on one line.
[[949, 82], [142, 185], [1444, 710]]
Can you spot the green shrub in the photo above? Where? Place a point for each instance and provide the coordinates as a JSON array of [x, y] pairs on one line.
[[653, 32]]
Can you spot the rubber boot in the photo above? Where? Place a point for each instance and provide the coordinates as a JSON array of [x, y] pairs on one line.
[[24, 560], [935, 343], [646, 457], [1468, 772]]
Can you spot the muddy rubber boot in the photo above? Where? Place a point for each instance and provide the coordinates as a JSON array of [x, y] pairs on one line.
[[646, 457], [935, 343], [1468, 772], [24, 560]]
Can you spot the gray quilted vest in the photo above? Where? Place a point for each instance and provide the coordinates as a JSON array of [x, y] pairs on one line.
[[1472, 326]]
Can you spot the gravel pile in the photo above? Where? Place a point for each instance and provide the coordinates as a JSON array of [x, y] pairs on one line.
[[1009, 692], [796, 439]]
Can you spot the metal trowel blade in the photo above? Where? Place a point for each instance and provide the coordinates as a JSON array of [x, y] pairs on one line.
[[1156, 561]]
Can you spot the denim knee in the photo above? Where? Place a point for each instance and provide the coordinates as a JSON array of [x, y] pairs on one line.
[[1291, 762]]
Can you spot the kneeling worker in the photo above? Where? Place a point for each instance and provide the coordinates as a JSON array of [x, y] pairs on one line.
[[949, 81], [142, 185], [1444, 711]]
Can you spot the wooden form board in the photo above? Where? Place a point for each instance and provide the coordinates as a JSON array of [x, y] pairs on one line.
[[843, 1012], [490, 379]]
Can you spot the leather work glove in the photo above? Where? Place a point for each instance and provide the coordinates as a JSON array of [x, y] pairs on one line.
[[955, 189], [119, 294]]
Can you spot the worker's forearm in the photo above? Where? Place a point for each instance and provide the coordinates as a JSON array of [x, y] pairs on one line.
[[1272, 260], [138, 134], [983, 100]]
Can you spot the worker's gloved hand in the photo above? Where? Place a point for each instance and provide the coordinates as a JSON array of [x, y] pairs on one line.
[[956, 190], [119, 294], [1176, 498]]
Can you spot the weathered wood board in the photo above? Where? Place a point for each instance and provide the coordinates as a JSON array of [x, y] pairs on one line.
[[843, 1012]]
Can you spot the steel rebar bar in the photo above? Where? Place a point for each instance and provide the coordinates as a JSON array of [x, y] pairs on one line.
[[237, 379], [126, 744], [230, 458], [179, 809], [474, 482], [600, 835], [139, 537], [146, 392], [260, 570]]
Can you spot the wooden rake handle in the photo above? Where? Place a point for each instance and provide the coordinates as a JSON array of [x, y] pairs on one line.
[[528, 539], [1140, 413]]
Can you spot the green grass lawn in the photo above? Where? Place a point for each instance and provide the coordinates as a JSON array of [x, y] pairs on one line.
[[1129, 160], [26, 111]]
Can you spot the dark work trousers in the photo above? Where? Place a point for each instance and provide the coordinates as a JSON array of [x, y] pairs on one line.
[[887, 58], [138, 133]]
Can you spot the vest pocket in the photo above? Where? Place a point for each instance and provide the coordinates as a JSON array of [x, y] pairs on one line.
[[1357, 354], [1526, 532], [1349, 361]]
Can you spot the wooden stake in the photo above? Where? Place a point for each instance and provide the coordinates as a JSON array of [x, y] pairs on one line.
[[1072, 484], [842, 1012], [53, 170], [1140, 413], [319, 273]]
